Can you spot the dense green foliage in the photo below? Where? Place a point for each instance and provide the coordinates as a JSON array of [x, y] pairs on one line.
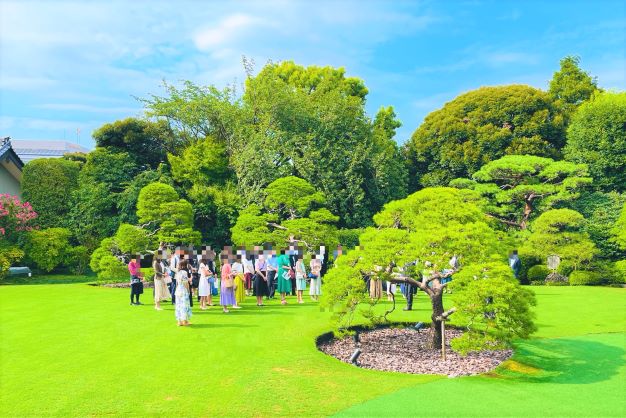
[[619, 230], [292, 210], [48, 184], [481, 126], [48, 248], [559, 232], [584, 278], [597, 137], [146, 142], [571, 86], [291, 120], [519, 186], [537, 273]]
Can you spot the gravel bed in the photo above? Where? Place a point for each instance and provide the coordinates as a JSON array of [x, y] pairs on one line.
[[405, 350]]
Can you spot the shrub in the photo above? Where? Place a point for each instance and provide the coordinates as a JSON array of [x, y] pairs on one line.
[[620, 272], [48, 248], [77, 259], [111, 268], [8, 256], [528, 261], [537, 273], [148, 273], [584, 278]]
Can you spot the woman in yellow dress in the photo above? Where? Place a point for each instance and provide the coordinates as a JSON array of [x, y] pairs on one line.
[[237, 270]]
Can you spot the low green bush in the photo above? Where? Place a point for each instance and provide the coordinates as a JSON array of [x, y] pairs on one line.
[[620, 272], [111, 268], [537, 273], [565, 268], [584, 278]]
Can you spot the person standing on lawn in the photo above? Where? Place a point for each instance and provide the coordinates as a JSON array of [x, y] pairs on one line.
[[260, 278], [161, 292], [284, 280], [183, 307], [136, 279], [315, 289], [204, 289], [272, 269], [300, 276], [227, 293], [237, 272]]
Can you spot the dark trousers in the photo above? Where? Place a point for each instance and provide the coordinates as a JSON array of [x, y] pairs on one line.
[[409, 296], [271, 287], [293, 286], [172, 287]]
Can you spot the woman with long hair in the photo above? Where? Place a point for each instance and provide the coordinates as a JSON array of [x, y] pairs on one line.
[[183, 306]]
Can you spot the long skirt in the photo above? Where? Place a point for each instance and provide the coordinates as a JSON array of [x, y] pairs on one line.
[[260, 286], [240, 291], [284, 284], [203, 286], [227, 296], [183, 307], [161, 292], [316, 286], [300, 282]]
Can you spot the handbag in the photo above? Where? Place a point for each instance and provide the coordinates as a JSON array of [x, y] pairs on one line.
[[229, 282], [292, 274]]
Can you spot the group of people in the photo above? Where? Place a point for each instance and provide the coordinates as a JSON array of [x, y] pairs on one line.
[[261, 272]]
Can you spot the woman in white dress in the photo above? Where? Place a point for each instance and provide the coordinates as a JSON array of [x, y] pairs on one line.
[[315, 289], [161, 292], [204, 290], [183, 306]]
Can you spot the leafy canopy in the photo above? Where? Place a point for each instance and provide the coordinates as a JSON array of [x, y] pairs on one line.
[[597, 137], [481, 126]]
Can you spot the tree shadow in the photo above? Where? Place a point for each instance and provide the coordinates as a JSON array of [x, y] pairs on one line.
[[567, 361]]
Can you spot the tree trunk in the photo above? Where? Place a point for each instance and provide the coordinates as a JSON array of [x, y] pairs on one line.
[[436, 299], [528, 208]]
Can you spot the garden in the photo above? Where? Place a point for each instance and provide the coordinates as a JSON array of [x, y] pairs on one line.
[[477, 270]]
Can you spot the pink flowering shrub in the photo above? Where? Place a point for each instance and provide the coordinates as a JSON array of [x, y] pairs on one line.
[[15, 217]]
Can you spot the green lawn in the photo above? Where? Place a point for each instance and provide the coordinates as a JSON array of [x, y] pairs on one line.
[[79, 350]]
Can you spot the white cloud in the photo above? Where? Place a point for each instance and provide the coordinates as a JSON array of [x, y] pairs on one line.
[[229, 29]]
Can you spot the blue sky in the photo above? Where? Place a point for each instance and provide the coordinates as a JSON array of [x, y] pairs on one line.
[[77, 65]]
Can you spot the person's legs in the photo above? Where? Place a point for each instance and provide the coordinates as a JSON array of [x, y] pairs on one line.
[[132, 295], [409, 298]]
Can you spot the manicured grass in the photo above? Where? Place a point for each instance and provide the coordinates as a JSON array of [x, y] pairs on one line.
[[78, 350], [49, 279]]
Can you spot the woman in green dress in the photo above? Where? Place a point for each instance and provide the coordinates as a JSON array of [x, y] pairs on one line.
[[284, 281]]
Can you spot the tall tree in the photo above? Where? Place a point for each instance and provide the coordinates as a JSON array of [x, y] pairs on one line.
[[48, 184], [481, 126], [104, 177], [597, 137], [517, 187], [431, 226], [145, 141], [571, 85]]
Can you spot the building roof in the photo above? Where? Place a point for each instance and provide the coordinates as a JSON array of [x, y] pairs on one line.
[[7, 151], [30, 149]]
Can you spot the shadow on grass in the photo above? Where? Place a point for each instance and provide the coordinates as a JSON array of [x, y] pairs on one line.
[[567, 361]]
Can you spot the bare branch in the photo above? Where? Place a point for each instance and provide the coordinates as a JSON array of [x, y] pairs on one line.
[[504, 221], [275, 225], [446, 314]]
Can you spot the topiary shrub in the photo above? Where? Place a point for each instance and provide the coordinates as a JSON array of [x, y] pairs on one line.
[[537, 273], [565, 268], [584, 278], [111, 268]]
